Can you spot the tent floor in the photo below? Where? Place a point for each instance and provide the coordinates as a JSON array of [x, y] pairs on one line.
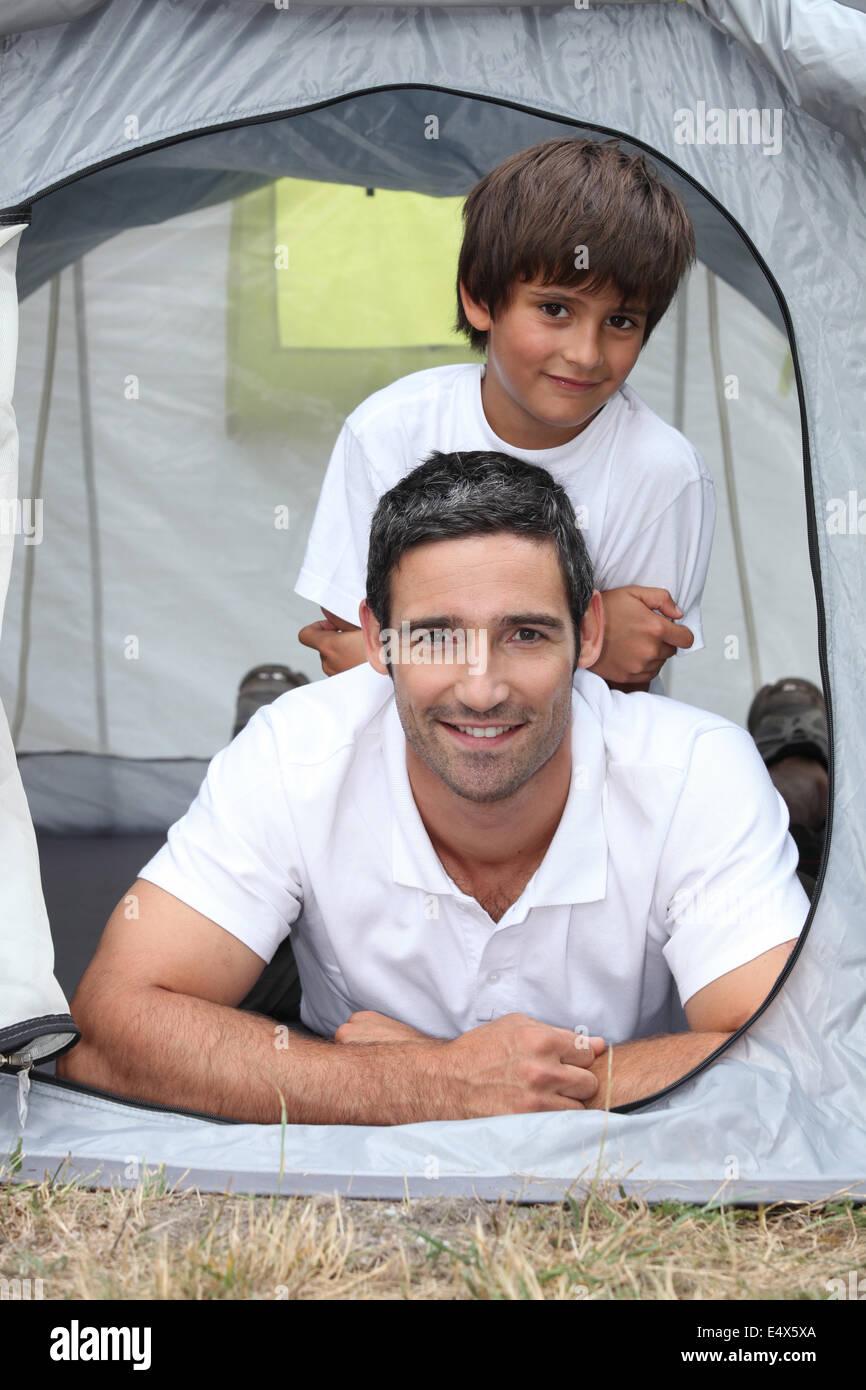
[[83, 879]]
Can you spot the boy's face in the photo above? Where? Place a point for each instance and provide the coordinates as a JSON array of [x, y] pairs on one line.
[[555, 355]]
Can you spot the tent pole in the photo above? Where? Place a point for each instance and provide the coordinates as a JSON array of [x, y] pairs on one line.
[[681, 340], [680, 350], [36, 491], [92, 509], [730, 481]]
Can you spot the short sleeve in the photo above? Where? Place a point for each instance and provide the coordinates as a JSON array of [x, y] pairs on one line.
[[727, 886], [234, 856], [672, 552], [334, 570]]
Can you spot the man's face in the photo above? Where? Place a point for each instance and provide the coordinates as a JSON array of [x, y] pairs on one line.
[[555, 355], [484, 732]]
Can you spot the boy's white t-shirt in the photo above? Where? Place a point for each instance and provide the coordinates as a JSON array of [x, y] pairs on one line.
[[642, 493]]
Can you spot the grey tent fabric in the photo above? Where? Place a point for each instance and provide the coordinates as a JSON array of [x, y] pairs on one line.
[[691, 1147], [19, 15], [814, 47], [783, 1107]]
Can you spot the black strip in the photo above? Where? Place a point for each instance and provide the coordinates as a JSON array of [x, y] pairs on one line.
[[18, 1036], [807, 466], [12, 217]]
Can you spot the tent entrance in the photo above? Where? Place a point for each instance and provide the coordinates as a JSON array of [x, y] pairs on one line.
[[174, 400]]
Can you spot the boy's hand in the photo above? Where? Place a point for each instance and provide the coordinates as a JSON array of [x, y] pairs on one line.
[[340, 644], [638, 640]]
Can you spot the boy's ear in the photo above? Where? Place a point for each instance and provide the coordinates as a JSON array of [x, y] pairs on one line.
[[475, 311]]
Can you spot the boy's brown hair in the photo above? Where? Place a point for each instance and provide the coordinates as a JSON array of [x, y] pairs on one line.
[[527, 217]]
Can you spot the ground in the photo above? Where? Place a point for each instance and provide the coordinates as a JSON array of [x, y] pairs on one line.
[[152, 1243]]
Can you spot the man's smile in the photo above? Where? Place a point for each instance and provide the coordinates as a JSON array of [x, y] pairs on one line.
[[481, 735]]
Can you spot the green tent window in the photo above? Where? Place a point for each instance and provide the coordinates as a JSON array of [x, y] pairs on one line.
[[332, 285]]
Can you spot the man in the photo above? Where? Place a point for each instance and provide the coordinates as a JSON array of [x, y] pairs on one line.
[[486, 872]]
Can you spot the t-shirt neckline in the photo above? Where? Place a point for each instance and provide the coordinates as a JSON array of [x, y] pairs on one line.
[[586, 440]]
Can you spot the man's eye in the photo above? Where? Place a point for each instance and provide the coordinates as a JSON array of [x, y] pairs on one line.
[[554, 305], [529, 632]]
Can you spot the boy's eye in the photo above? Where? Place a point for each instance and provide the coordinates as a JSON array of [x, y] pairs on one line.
[[553, 305], [622, 321]]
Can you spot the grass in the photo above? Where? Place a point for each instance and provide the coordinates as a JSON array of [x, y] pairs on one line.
[[151, 1242]]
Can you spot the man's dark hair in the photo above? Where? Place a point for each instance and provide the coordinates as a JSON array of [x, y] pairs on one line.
[[475, 493], [526, 218]]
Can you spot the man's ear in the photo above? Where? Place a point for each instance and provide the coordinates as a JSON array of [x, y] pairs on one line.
[[372, 638], [475, 311], [592, 631]]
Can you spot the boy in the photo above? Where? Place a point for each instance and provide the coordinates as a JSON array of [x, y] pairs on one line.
[[572, 251]]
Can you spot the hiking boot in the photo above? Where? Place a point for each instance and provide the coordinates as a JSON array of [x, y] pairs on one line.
[[789, 719], [261, 686]]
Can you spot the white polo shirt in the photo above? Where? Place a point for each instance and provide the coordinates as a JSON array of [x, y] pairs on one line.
[[642, 493], [671, 865]]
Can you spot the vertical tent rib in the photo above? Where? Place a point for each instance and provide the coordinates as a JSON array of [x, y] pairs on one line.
[[96, 609], [36, 491], [730, 481], [681, 345], [681, 340]]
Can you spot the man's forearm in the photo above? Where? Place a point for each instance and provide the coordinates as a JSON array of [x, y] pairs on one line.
[[638, 1069], [187, 1052]]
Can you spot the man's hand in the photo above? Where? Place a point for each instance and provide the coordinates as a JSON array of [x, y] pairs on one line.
[[510, 1066], [367, 1026], [637, 639], [517, 1065], [340, 644]]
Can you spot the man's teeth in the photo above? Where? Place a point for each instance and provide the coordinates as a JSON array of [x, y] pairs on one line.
[[490, 732]]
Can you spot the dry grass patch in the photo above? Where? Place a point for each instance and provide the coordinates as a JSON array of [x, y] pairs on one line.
[[147, 1243]]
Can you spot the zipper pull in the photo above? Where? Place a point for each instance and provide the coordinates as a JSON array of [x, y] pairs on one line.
[[24, 1089]]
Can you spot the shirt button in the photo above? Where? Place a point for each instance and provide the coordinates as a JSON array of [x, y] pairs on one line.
[[493, 977]]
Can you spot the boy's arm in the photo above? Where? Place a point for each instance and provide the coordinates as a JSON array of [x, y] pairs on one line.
[[663, 567], [340, 644], [334, 570], [640, 634]]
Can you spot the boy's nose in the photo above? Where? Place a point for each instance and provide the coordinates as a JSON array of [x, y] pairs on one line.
[[583, 350]]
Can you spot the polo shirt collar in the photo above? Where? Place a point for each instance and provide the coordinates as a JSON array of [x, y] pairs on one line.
[[574, 869]]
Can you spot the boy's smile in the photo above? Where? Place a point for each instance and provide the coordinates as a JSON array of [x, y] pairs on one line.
[[555, 355]]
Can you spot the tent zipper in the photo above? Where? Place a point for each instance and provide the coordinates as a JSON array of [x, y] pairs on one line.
[[17, 1060], [64, 1084], [23, 1062]]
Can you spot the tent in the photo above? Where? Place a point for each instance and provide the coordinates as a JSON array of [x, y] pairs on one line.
[[176, 403]]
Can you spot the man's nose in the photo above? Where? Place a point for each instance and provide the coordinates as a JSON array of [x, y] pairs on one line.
[[481, 687]]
